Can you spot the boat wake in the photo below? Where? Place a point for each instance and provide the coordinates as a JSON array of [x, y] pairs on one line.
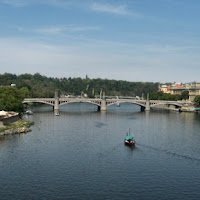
[[100, 124], [170, 153]]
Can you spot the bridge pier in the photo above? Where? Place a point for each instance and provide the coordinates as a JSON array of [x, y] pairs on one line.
[[147, 104], [56, 104], [103, 105]]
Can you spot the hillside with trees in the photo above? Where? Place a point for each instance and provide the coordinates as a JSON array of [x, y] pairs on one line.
[[42, 86]]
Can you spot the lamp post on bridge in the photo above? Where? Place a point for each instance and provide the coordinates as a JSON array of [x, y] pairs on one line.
[[82, 93]]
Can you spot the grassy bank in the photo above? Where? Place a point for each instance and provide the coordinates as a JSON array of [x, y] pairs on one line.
[[17, 125]]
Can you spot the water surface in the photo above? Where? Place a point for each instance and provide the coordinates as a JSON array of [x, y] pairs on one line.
[[81, 155]]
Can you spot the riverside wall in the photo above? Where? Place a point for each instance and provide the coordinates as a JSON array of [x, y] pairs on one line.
[[8, 120]]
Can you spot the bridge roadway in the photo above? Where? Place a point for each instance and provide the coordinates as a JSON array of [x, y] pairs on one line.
[[103, 103]]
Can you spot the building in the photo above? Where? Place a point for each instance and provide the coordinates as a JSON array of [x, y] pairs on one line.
[[164, 88], [178, 88]]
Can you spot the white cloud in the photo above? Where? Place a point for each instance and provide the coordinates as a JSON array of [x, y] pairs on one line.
[[96, 7], [108, 8], [54, 30], [50, 30], [114, 9], [22, 3], [16, 3]]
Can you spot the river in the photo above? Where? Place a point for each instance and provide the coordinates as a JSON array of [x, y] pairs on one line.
[[81, 155]]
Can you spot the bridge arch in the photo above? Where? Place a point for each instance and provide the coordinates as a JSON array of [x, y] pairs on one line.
[[39, 101], [88, 102], [166, 103], [120, 102]]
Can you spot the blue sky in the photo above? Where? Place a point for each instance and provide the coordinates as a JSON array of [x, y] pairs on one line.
[[133, 40]]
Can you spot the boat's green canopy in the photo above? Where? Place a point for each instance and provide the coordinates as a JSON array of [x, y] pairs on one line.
[[129, 137]]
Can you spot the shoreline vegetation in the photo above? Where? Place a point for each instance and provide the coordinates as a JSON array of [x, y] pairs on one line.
[[20, 126]]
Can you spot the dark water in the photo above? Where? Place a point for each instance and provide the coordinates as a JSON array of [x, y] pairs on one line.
[[81, 155]]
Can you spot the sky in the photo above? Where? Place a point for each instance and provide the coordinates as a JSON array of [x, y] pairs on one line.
[[133, 40]]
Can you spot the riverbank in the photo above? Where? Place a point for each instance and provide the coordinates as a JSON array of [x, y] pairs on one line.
[[20, 126]]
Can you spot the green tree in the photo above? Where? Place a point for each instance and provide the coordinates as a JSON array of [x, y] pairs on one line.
[[11, 99], [164, 96], [24, 92], [185, 95], [197, 100]]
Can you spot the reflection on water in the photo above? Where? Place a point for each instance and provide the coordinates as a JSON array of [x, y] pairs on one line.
[[2, 139], [81, 155], [86, 107]]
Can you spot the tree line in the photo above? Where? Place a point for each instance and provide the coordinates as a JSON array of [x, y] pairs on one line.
[[169, 97], [42, 86]]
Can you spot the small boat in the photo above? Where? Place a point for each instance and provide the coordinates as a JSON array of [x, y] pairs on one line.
[[117, 104], [197, 110], [187, 109], [28, 112], [129, 140]]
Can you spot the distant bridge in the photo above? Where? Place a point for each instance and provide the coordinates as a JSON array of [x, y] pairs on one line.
[[103, 103]]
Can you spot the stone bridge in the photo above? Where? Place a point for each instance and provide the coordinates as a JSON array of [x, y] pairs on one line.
[[103, 103]]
